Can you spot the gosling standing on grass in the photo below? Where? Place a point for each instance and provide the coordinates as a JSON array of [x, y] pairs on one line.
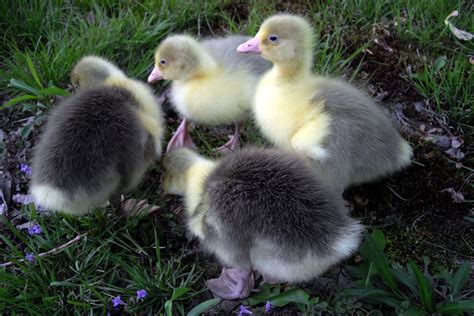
[[261, 209], [97, 143], [348, 136], [212, 83]]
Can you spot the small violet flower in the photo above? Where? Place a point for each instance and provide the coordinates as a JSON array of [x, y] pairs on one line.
[[3, 208], [244, 311], [35, 230], [268, 307], [25, 169], [141, 294], [30, 257], [116, 301], [23, 198]]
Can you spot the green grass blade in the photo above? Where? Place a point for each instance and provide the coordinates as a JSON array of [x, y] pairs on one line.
[[53, 91], [405, 279], [414, 311], [424, 287], [371, 248], [265, 292], [203, 307], [379, 238], [291, 296], [169, 307], [179, 292], [460, 278], [20, 85], [62, 283], [157, 249], [458, 307], [33, 71], [17, 100], [371, 294]]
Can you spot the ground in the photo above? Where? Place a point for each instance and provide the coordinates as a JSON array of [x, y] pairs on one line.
[[401, 53]]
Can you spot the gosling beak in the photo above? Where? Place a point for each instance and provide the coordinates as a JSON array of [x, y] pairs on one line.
[[155, 75], [250, 46]]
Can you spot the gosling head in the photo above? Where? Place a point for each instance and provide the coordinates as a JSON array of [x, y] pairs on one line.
[[282, 39], [176, 164], [91, 71], [179, 57]]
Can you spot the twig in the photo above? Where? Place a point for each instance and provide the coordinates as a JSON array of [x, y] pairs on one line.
[[418, 163], [396, 194], [447, 250], [52, 251], [454, 162]]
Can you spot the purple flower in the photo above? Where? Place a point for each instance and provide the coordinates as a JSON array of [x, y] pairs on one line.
[[25, 169], [30, 257], [268, 307], [244, 311], [23, 198], [141, 294], [116, 301], [35, 230], [3, 208]]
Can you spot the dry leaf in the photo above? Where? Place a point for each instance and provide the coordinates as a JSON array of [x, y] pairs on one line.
[[455, 143], [368, 51], [362, 201], [460, 34], [26, 225], [454, 13], [132, 207], [457, 197], [384, 44]]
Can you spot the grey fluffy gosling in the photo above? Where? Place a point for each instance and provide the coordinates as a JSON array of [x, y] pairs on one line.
[[97, 143], [261, 209], [212, 83], [348, 136]]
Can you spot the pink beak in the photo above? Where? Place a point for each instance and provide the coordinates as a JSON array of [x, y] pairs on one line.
[[155, 75], [250, 46]]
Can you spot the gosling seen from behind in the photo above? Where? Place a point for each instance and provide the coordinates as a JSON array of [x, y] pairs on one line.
[[212, 83], [261, 209], [97, 143], [348, 137]]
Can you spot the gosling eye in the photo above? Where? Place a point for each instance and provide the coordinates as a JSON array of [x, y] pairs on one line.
[[163, 61], [273, 38]]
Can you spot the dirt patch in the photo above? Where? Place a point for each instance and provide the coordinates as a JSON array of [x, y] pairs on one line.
[[418, 216]]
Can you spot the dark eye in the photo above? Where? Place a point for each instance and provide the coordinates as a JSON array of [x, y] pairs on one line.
[[163, 62], [273, 38]]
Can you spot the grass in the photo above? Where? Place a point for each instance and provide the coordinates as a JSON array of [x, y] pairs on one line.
[[57, 33], [115, 256], [119, 256]]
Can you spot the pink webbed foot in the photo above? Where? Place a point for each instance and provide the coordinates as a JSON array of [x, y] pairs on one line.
[[181, 137], [233, 142], [232, 284]]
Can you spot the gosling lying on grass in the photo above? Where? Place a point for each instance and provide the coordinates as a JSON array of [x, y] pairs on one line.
[[348, 136], [261, 209], [212, 83], [96, 144]]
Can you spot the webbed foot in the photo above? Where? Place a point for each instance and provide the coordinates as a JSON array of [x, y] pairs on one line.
[[233, 142], [232, 284], [181, 137]]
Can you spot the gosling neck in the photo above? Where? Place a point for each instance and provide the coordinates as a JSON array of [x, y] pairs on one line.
[[196, 176], [206, 66], [295, 69]]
